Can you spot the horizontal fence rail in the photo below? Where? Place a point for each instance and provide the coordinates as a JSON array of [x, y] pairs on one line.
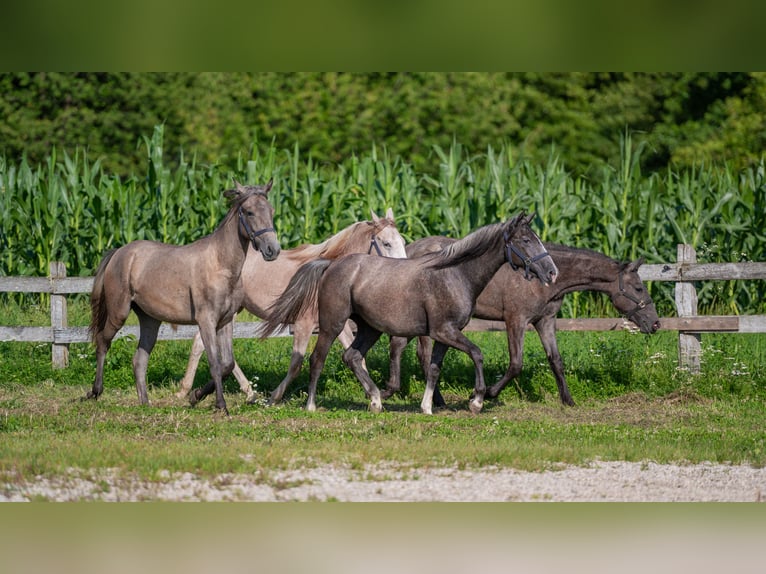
[[684, 272]]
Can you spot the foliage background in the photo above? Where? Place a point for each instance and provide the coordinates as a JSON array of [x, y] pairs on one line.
[[684, 118]]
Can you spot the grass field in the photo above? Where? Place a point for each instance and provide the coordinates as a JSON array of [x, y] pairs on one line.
[[633, 404]]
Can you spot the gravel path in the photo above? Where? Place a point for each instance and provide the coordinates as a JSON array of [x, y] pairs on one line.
[[600, 481]]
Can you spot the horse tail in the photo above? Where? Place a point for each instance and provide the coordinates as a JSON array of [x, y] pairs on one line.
[[299, 297], [98, 311]]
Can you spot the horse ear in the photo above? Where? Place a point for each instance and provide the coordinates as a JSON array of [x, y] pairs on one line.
[[234, 193], [375, 217], [267, 187], [390, 214], [530, 217], [634, 265]]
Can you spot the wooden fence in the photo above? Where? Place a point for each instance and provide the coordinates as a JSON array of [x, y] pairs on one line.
[[684, 272]]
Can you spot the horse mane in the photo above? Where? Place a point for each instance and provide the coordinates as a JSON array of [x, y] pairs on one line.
[[337, 245], [471, 246]]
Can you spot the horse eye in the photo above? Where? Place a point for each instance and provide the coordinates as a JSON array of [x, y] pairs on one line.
[[387, 244]]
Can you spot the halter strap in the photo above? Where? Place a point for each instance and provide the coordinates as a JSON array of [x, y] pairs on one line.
[[249, 230], [374, 243], [510, 248], [640, 303], [374, 237]]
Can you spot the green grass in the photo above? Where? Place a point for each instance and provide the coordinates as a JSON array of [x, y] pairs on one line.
[[633, 404]]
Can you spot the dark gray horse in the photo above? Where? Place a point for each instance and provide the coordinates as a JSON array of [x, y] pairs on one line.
[[507, 297], [433, 296], [199, 283]]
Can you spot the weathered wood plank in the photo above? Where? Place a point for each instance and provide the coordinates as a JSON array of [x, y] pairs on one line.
[[27, 334], [689, 344], [702, 271], [698, 324]]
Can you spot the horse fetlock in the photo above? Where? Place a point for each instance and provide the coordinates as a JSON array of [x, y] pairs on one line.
[[193, 397], [475, 406]]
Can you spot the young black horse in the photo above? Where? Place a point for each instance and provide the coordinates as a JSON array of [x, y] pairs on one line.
[[199, 283], [507, 297], [434, 295]]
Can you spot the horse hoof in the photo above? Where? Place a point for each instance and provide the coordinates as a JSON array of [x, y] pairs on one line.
[[426, 411], [89, 396], [192, 396], [475, 406]]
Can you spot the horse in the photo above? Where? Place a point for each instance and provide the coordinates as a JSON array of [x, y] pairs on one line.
[[434, 295], [264, 282], [510, 299], [199, 283]]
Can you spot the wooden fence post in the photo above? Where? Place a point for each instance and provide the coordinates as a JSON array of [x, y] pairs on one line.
[[689, 347], [59, 351]]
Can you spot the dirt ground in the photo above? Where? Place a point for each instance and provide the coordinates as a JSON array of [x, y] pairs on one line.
[[599, 481]]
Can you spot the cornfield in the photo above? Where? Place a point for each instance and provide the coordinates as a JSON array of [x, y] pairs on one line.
[[69, 209]]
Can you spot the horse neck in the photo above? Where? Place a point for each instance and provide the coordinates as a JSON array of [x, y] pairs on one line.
[[479, 270], [229, 244], [582, 270]]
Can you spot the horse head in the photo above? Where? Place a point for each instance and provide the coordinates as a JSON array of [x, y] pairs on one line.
[[633, 300], [384, 236], [523, 245], [256, 215]]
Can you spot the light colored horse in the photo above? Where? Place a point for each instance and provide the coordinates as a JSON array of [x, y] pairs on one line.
[[263, 284], [198, 283]]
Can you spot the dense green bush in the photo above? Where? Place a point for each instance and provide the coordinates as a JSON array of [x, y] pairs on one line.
[[684, 118]]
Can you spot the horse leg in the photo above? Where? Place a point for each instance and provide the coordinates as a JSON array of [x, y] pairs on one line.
[[366, 337], [218, 343], [195, 354], [432, 376], [148, 328], [346, 337], [455, 338], [515, 333], [424, 356], [244, 383], [396, 349], [316, 364], [546, 328], [103, 341], [302, 329]]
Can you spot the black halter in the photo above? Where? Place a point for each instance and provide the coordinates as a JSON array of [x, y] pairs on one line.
[[374, 243], [640, 303], [510, 248], [249, 230]]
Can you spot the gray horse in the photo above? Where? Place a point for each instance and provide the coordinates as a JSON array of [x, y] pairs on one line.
[[199, 283]]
